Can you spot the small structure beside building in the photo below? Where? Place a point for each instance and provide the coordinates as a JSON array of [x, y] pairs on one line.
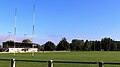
[[19, 47]]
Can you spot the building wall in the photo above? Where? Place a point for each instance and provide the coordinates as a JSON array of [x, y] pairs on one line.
[[11, 50]]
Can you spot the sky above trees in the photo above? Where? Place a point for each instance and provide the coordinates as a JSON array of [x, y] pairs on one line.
[[55, 19]]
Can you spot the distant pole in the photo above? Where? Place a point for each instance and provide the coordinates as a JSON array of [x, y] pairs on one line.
[[9, 35], [15, 29], [33, 21], [24, 36]]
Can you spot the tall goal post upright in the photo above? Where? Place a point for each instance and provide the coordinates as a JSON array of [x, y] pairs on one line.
[[15, 29], [33, 27]]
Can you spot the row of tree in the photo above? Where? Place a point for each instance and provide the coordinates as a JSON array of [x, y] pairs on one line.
[[106, 44]]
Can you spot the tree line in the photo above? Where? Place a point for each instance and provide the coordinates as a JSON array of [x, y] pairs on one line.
[[106, 44]]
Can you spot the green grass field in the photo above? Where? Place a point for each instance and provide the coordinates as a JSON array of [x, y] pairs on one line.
[[64, 56]]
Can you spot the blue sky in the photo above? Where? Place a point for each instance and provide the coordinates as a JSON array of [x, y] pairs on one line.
[[55, 19]]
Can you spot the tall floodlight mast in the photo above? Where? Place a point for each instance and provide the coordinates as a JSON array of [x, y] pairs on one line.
[[15, 29], [33, 21]]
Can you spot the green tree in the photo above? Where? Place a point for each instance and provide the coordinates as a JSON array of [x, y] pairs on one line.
[[26, 41], [106, 43], [0, 48], [49, 46], [87, 45], [113, 46], [117, 45], [77, 45], [39, 47], [96, 45], [63, 45]]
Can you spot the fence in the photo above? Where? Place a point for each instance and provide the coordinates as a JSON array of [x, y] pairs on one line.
[[50, 62]]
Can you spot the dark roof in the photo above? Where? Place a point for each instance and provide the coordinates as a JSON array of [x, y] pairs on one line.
[[18, 43]]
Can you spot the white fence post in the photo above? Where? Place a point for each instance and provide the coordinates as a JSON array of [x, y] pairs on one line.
[[101, 64], [12, 62], [50, 63]]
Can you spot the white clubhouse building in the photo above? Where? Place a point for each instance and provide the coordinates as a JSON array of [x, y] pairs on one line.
[[19, 47]]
